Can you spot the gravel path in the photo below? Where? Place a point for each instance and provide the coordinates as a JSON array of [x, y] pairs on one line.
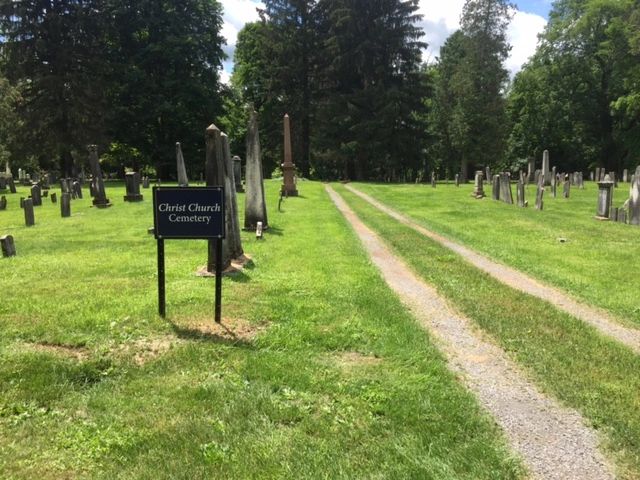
[[596, 317], [553, 440]]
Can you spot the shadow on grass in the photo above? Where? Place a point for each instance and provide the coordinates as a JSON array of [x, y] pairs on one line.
[[220, 334]]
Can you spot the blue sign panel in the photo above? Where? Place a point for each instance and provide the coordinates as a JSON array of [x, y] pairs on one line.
[[188, 212]]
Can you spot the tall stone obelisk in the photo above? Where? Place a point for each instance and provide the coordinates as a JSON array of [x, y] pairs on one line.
[[288, 168], [183, 180], [255, 207]]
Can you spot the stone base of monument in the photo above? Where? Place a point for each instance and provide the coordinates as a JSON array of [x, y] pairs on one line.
[[289, 192], [236, 266], [133, 198], [105, 204], [602, 219]]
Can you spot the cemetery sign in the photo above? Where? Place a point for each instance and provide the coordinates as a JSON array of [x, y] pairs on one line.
[[189, 213]]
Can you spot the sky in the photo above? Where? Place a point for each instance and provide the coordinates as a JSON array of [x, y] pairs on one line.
[[440, 19]]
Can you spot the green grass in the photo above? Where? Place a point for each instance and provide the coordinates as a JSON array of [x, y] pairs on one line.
[[567, 358], [341, 383], [595, 264]]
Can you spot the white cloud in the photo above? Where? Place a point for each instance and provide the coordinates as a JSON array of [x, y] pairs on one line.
[[523, 37], [235, 14]]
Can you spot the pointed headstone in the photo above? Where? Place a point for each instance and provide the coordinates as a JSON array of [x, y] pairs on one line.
[[545, 168], [255, 207], [237, 173], [231, 215], [100, 199], [288, 168], [183, 181], [214, 168]]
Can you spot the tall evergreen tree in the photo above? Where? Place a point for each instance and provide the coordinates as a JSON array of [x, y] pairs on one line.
[[474, 78], [55, 51]]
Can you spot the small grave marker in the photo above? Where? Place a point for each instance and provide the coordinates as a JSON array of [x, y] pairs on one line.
[[8, 246], [29, 218], [65, 205]]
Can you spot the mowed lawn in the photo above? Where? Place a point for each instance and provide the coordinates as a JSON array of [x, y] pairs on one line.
[[595, 262], [328, 377]]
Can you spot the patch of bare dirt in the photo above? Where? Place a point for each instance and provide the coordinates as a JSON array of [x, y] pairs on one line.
[[70, 351], [355, 359], [230, 329], [146, 349], [237, 265]]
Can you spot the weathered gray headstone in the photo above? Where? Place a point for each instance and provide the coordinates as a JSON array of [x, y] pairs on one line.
[[214, 168], [3, 203], [537, 176], [478, 190], [54, 197], [183, 180], [65, 205], [76, 187], [613, 214], [614, 178], [29, 217], [566, 189], [36, 195], [545, 167], [622, 215], [255, 207], [145, 182], [487, 172], [132, 184], [540, 194], [495, 187], [520, 194], [433, 179], [634, 199], [231, 215], [506, 195], [625, 175], [288, 168], [554, 182], [605, 198], [531, 169], [12, 185], [100, 199], [8, 246], [237, 173], [592, 176]]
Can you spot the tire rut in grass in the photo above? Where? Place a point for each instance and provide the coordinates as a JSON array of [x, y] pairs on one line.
[[554, 441], [596, 317]]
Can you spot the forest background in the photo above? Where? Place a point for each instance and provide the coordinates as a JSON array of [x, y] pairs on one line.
[[134, 77]]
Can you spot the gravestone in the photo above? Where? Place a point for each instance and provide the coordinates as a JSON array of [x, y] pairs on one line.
[[183, 180], [36, 195], [433, 179], [237, 173], [478, 190], [45, 193], [231, 211], [520, 194], [76, 187], [288, 168], [54, 197], [20, 174], [603, 174], [457, 179], [29, 218], [214, 169], [100, 199], [64, 185], [3, 203], [65, 205], [566, 187], [145, 182], [255, 207], [540, 194], [622, 216], [634, 199], [554, 182], [592, 176], [614, 178], [495, 187], [488, 176], [605, 198], [132, 184], [12, 185], [8, 246], [546, 173], [506, 195], [44, 183], [531, 169], [625, 175]]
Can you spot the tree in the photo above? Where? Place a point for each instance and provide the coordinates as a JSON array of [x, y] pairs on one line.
[[166, 56], [472, 81], [369, 122], [54, 50], [9, 121]]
